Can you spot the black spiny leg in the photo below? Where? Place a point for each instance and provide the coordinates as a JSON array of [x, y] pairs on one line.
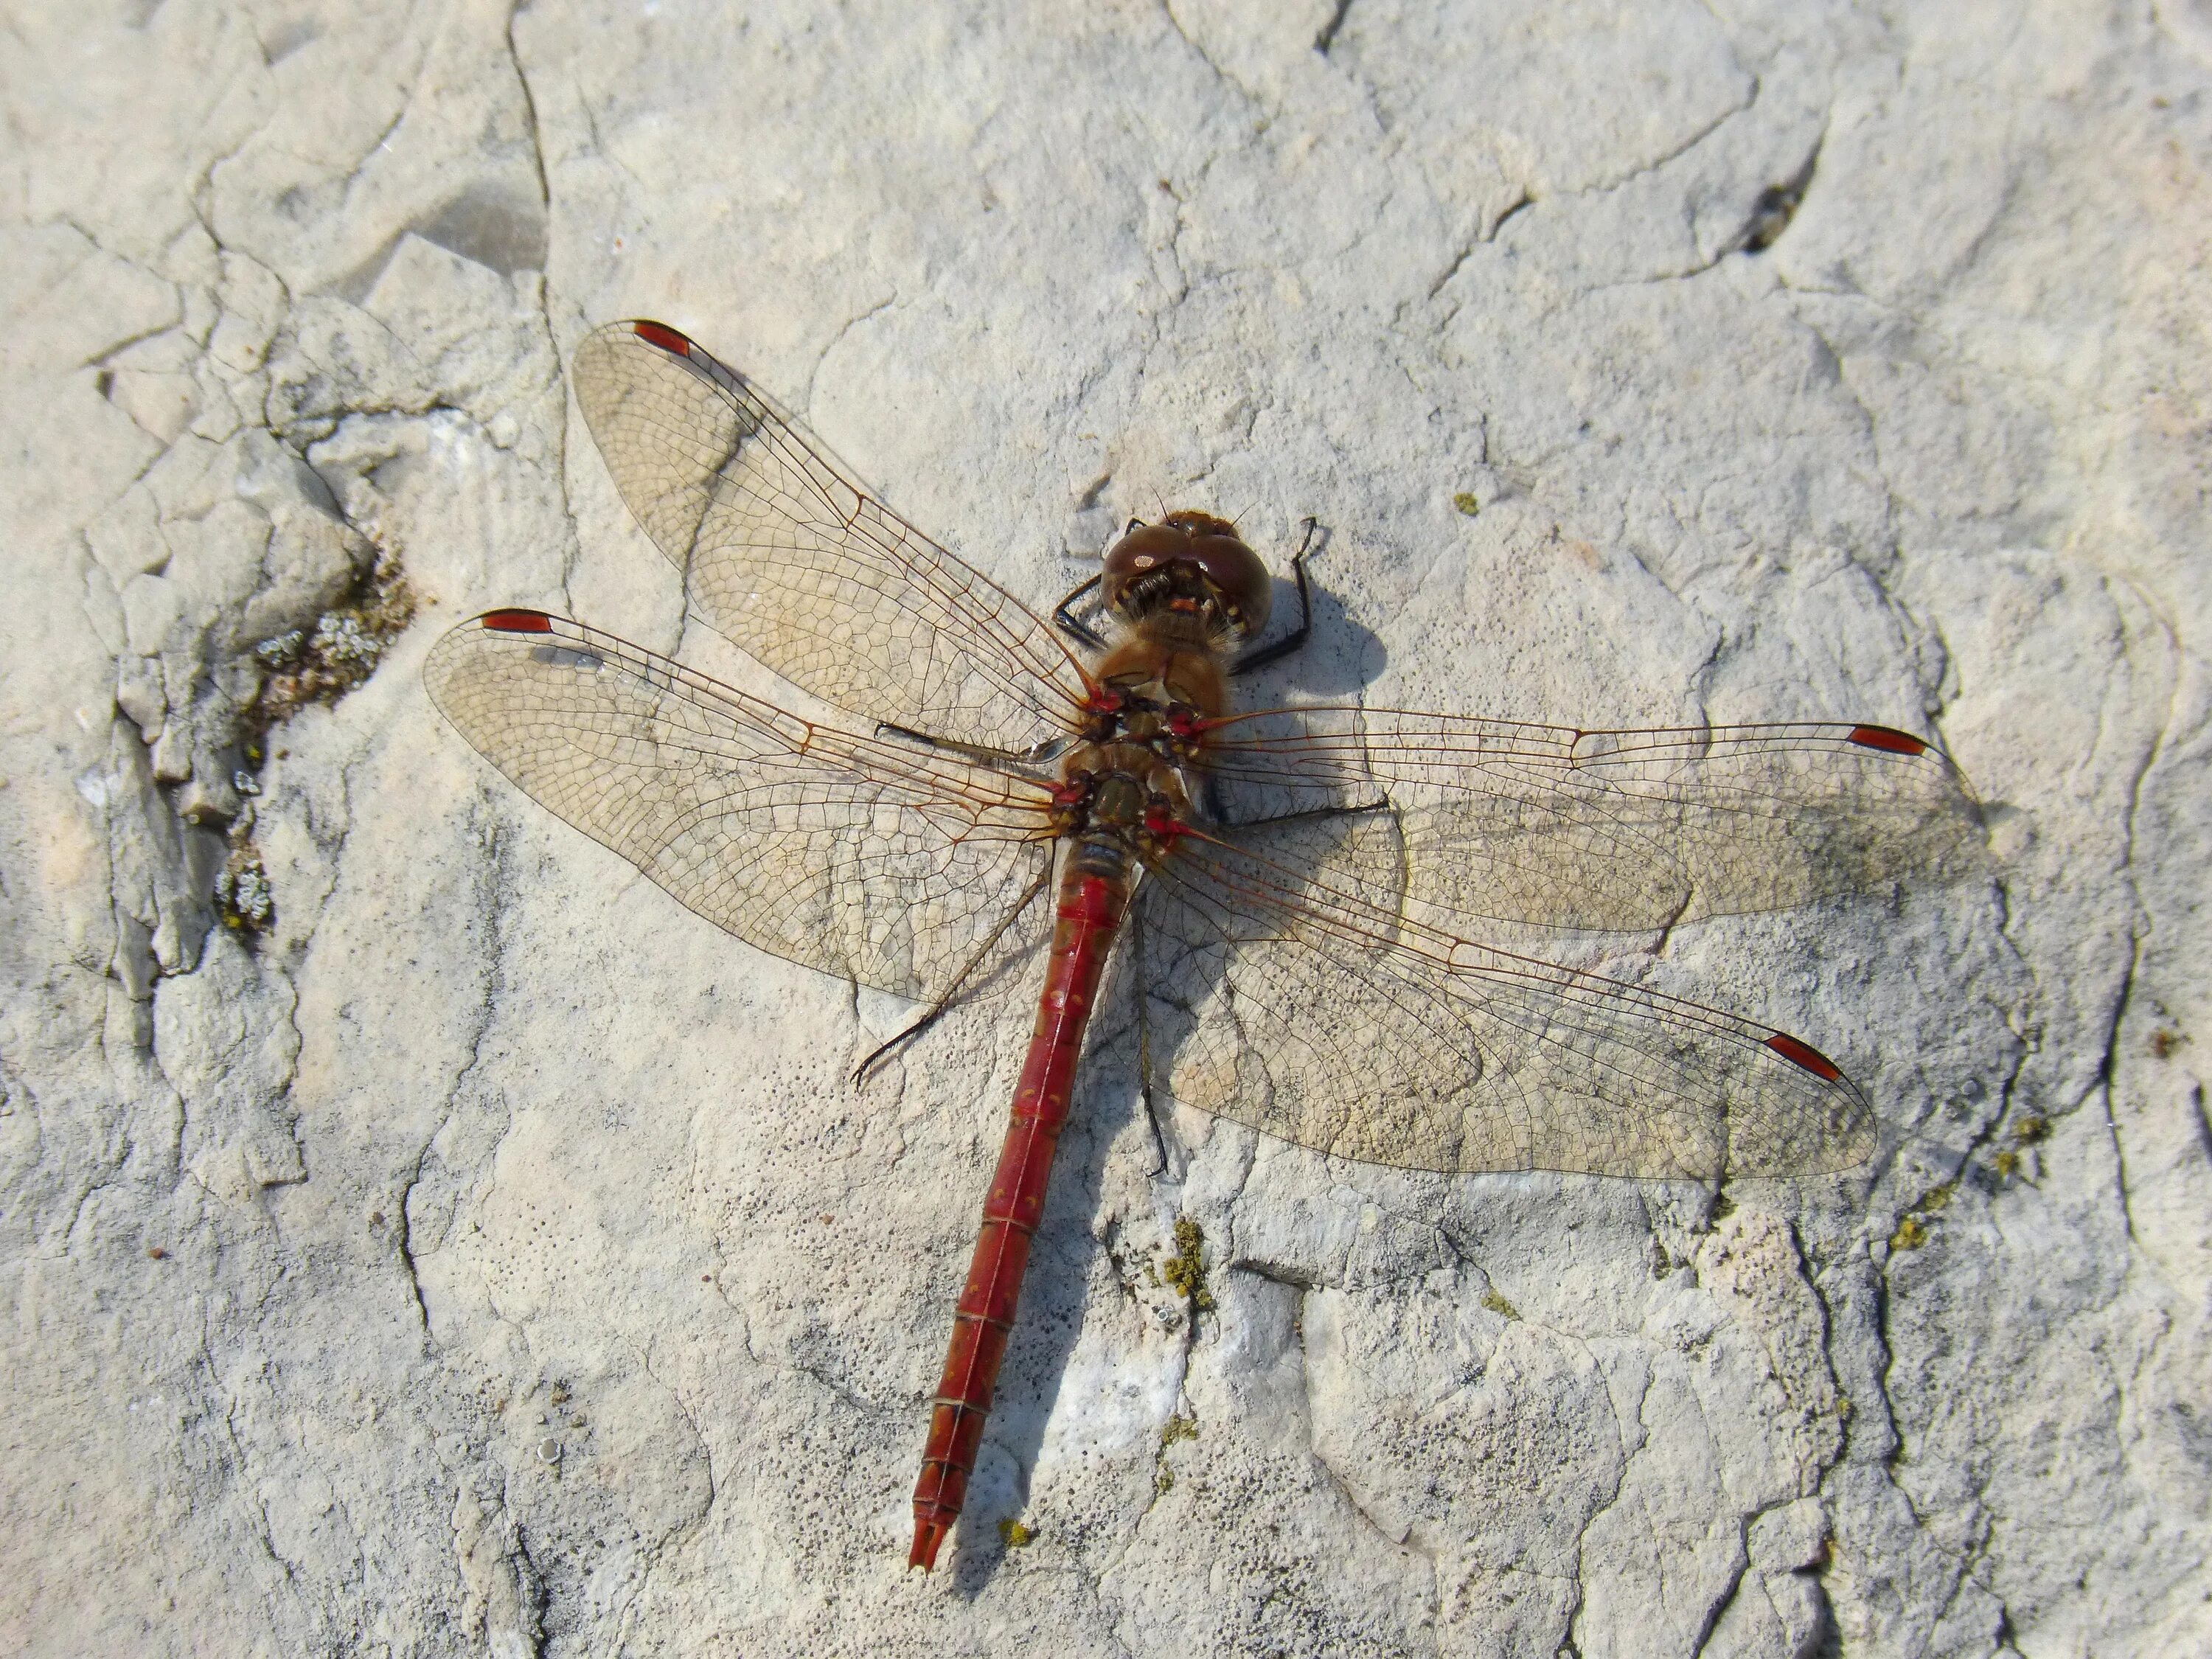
[[1067, 621], [1066, 618], [1145, 1045], [1261, 655], [945, 1005]]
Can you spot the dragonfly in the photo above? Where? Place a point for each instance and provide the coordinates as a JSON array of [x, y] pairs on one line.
[[1315, 905]]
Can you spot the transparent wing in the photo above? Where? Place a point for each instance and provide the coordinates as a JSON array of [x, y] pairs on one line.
[[889, 866], [1571, 828], [1283, 998], [801, 566]]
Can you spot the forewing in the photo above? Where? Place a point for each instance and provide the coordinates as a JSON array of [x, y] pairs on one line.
[[1283, 1000], [1574, 829], [801, 566], [884, 865]]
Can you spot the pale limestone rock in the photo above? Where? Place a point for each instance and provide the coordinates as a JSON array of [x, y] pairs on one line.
[[491, 1257]]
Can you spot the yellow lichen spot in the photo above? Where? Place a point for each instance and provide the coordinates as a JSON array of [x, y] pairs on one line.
[[1912, 1231], [1498, 1305], [1164, 1483], [1185, 1271], [1178, 1428], [1465, 503], [2007, 1164], [1014, 1535], [2031, 1129]]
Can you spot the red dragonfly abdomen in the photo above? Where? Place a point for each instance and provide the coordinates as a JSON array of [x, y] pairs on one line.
[[1094, 895]]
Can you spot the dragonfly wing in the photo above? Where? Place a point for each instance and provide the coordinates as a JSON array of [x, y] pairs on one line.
[[888, 866], [1287, 1002], [1575, 828], [797, 565]]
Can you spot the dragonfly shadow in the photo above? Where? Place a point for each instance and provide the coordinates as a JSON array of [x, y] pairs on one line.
[[1055, 1297], [1339, 658]]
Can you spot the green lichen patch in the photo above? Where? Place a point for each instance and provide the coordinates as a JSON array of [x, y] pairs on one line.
[[2014, 1162], [300, 667], [1014, 1535], [1177, 1428], [1465, 503], [319, 664], [1498, 1305], [243, 897], [1185, 1271]]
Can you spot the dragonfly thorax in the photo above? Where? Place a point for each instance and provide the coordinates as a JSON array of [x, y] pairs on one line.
[[1125, 791], [1155, 670]]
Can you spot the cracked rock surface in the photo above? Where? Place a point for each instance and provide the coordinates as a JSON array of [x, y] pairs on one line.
[[419, 1237]]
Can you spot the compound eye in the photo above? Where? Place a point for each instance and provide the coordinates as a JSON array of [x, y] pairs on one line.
[[1237, 576], [1143, 549], [1199, 544]]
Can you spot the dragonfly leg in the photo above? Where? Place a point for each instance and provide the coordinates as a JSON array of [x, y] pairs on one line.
[[1312, 814], [1022, 763], [1261, 655], [1066, 619], [1136, 957], [1207, 798], [945, 1004], [882, 1051]]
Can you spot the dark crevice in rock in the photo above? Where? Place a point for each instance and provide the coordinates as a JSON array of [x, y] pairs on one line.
[[317, 665], [1776, 205]]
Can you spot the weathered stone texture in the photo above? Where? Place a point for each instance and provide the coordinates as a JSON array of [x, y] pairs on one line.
[[489, 1257]]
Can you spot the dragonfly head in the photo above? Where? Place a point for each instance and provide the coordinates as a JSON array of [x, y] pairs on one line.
[[1189, 562]]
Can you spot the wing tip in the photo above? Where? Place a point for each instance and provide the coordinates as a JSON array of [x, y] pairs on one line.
[[1832, 1134]]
